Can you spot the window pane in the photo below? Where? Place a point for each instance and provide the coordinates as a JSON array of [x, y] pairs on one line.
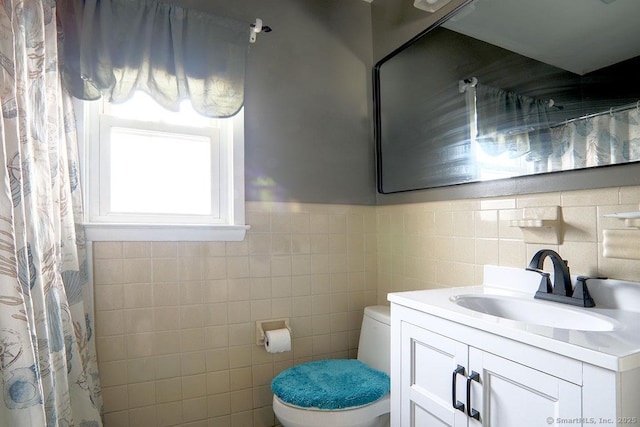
[[160, 173], [142, 107]]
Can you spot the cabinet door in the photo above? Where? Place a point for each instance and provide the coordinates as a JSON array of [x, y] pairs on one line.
[[427, 378], [509, 394]]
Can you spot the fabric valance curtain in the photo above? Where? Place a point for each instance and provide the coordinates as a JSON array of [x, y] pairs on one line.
[[115, 47], [513, 123]]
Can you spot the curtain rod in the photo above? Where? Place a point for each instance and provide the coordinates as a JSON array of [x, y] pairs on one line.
[[472, 82], [611, 111], [257, 27]]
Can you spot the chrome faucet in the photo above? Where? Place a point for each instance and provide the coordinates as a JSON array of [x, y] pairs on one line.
[[562, 289]]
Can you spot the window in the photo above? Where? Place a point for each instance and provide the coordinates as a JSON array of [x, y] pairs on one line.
[[152, 174]]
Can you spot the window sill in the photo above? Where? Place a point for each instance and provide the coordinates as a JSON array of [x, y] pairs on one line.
[[164, 232]]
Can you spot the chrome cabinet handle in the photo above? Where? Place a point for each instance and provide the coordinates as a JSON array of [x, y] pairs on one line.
[[473, 376], [454, 400]]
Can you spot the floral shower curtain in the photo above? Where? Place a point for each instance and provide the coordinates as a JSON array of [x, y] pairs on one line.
[[603, 139], [47, 354]]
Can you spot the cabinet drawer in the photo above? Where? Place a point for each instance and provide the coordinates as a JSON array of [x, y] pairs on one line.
[[534, 357]]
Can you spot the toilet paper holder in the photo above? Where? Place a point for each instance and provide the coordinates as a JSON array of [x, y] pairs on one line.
[[269, 325]]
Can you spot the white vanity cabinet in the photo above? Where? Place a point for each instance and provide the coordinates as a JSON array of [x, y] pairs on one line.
[[440, 367], [488, 389]]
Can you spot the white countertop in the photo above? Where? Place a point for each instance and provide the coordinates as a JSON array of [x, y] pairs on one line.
[[618, 349]]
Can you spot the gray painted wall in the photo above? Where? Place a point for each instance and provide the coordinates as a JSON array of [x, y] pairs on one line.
[[308, 104], [308, 109]]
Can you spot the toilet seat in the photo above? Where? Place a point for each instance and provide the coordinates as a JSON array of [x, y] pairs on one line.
[[331, 384]]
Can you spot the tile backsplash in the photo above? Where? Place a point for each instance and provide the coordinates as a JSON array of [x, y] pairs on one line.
[[175, 321], [429, 245]]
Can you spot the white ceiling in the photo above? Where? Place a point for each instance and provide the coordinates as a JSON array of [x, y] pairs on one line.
[[576, 35]]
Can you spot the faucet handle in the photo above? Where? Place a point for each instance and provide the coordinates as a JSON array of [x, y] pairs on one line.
[[545, 281], [585, 278], [581, 291]]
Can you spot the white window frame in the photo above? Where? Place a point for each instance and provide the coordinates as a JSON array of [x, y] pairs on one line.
[[101, 225]]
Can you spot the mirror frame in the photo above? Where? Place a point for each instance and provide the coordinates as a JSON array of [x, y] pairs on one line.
[[605, 176]]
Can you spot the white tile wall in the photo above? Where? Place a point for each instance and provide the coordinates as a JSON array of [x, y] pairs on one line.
[[430, 245], [175, 339], [175, 320]]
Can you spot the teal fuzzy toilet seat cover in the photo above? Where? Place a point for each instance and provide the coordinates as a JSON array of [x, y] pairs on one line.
[[330, 384]]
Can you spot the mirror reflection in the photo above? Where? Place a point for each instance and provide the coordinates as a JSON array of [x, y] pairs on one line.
[[507, 88]]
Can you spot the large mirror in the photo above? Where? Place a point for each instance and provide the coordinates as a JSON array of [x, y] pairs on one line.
[[506, 88]]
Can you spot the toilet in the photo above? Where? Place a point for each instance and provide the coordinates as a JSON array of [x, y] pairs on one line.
[[310, 395]]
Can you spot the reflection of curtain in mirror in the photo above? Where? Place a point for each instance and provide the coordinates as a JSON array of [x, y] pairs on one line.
[[604, 139], [513, 123]]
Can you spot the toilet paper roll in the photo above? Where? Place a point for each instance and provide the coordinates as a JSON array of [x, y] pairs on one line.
[[277, 340]]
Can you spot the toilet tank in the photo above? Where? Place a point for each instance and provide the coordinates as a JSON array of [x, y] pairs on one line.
[[374, 347]]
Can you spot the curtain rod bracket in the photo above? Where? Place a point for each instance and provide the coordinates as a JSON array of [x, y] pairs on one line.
[[257, 27], [464, 84]]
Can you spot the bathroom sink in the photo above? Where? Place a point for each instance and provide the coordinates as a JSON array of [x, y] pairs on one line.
[[535, 312]]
